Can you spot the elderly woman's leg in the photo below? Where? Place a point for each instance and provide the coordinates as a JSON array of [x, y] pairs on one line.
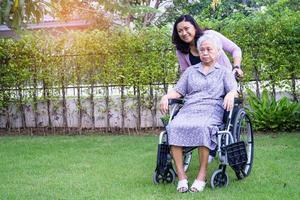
[[177, 153], [199, 183], [203, 160], [178, 158]]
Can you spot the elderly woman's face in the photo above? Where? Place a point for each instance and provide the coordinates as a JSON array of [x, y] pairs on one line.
[[208, 52]]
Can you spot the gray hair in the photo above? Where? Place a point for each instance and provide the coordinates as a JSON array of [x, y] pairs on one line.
[[207, 37]]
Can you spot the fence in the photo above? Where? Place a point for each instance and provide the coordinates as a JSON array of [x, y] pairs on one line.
[[109, 108], [106, 108]]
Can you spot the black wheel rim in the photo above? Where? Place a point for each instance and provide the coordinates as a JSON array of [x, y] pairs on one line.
[[220, 179]]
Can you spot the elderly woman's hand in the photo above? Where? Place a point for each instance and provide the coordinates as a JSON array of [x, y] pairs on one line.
[[164, 104], [229, 100]]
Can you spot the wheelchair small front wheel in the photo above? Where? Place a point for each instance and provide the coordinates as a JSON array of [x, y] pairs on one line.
[[168, 177], [219, 179]]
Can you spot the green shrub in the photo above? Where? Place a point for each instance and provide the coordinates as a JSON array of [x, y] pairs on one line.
[[165, 119], [268, 114]]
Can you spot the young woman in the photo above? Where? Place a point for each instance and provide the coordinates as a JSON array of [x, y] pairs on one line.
[[186, 32]]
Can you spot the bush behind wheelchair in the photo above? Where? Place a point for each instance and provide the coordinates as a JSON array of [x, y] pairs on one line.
[[235, 147]]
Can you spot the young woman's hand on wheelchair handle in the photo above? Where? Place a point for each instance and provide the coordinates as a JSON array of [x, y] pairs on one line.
[[238, 73], [229, 100]]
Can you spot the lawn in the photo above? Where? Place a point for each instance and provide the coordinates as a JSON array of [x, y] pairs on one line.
[[121, 167]]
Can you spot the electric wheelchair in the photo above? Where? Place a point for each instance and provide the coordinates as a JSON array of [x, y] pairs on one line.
[[235, 147]]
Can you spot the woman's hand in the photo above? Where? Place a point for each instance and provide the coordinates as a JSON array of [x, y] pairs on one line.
[[164, 104], [238, 72], [229, 100]]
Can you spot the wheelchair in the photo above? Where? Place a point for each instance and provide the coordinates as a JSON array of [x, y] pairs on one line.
[[235, 147]]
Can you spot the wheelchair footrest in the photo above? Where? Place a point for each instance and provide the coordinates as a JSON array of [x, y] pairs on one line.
[[236, 155]]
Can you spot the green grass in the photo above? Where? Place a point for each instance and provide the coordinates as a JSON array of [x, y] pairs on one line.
[[121, 167]]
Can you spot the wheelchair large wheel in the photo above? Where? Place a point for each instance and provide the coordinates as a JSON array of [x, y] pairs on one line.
[[242, 131], [168, 177], [219, 179]]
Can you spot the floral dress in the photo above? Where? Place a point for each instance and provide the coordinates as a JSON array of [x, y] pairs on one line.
[[197, 122]]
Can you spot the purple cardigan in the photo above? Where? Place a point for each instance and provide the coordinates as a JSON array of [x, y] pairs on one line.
[[228, 46]]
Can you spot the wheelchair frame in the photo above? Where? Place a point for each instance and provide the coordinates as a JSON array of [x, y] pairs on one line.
[[232, 148]]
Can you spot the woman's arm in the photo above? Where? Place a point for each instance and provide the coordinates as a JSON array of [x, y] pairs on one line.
[[230, 86], [183, 63], [232, 48], [164, 103], [179, 91], [229, 100]]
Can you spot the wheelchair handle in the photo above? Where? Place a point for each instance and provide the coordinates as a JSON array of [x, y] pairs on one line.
[[176, 101]]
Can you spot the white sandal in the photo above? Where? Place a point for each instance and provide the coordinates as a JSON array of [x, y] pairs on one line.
[[198, 186], [182, 186]]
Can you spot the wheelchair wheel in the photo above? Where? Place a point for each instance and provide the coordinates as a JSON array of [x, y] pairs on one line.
[[168, 177], [187, 158], [242, 131], [219, 179]]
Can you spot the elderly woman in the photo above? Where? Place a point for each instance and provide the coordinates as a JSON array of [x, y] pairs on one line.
[[208, 89]]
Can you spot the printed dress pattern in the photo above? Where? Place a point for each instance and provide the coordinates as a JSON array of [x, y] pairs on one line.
[[197, 122]]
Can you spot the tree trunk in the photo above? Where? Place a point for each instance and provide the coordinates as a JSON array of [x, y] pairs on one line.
[[79, 107], [35, 98], [293, 79], [273, 86], [256, 76], [64, 107], [138, 124], [93, 106], [153, 99], [8, 124], [21, 108], [46, 95], [107, 129], [122, 109], [149, 17]]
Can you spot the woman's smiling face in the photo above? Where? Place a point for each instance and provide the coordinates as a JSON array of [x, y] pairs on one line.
[[186, 31]]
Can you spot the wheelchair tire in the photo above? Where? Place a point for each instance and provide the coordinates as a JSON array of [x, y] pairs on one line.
[[242, 131], [168, 177], [219, 179]]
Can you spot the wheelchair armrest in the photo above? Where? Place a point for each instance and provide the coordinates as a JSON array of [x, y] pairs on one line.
[[176, 101]]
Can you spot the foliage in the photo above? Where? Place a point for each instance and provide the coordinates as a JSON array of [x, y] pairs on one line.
[[269, 40], [141, 12], [88, 10], [165, 119], [267, 113], [211, 9], [91, 57], [145, 58], [17, 12]]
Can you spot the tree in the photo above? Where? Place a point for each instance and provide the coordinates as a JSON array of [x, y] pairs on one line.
[[19, 12], [89, 10], [212, 9], [140, 12]]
